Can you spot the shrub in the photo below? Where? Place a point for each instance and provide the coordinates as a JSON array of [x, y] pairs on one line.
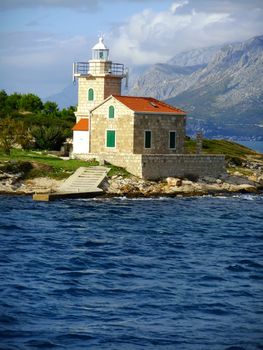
[[49, 138], [8, 130]]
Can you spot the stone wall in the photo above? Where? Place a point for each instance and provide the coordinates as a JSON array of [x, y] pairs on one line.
[[154, 167], [112, 86], [131, 162], [160, 126], [103, 87], [84, 84], [182, 165]]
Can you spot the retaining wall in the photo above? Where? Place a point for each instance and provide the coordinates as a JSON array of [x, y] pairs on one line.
[[153, 167], [180, 165]]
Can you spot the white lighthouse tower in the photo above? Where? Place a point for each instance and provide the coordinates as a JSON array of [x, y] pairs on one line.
[[97, 79]]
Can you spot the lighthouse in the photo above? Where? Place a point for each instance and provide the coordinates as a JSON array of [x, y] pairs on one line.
[[97, 79]]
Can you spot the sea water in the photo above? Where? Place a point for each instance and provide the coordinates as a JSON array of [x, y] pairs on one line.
[[255, 145], [164, 273]]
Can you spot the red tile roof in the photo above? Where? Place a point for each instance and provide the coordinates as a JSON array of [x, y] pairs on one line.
[[82, 125], [148, 104]]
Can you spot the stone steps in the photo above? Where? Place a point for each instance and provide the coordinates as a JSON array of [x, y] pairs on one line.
[[84, 180]]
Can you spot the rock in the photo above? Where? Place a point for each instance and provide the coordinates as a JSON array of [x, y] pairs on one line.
[[172, 181], [187, 182], [209, 179], [239, 180], [114, 185]]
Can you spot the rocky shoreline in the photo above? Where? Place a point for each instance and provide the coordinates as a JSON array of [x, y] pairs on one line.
[[13, 184], [133, 187]]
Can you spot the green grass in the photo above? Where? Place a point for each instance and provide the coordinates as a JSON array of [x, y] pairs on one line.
[[45, 165], [228, 148], [234, 153], [115, 170]]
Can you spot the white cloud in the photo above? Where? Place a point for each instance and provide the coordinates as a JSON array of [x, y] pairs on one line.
[[177, 5], [150, 37]]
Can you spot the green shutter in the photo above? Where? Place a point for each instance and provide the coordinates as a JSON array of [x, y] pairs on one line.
[[110, 138], [90, 95], [111, 112], [172, 139], [147, 139]]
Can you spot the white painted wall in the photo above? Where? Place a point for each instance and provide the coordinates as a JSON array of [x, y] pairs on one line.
[[81, 142]]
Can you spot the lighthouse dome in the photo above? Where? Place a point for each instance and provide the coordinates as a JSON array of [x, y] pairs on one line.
[[100, 51]]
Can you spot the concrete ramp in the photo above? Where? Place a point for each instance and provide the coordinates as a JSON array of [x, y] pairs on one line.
[[85, 180]]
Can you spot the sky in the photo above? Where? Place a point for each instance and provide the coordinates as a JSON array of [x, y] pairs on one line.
[[39, 39]]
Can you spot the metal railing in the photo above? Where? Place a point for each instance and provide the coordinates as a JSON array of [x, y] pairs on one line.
[[85, 68]]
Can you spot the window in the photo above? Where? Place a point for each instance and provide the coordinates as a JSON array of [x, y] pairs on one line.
[[172, 139], [147, 139], [111, 112], [90, 94], [110, 138]]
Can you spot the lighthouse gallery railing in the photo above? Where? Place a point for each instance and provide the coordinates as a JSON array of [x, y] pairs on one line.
[[84, 68]]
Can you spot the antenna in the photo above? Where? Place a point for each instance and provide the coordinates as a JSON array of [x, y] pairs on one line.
[[101, 35]]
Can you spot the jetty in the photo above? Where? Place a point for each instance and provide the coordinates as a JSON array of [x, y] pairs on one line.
[[84, 183]]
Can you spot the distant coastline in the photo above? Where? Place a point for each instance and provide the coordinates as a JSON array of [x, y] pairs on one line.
[[255, 145]]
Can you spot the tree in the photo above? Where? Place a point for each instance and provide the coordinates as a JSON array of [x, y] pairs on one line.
[[31, 103], [12, 102], [23, 135], [3, 98], [50, 138], [69, 114], [50, 108], [8, 132], [13, 133]]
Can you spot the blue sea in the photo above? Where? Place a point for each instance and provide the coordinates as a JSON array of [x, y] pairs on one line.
[[163, 273], [255, 145]]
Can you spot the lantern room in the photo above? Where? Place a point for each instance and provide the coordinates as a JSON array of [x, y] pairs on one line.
[[100, 51]]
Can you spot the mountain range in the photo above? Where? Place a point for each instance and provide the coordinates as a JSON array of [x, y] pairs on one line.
[[220, 88]]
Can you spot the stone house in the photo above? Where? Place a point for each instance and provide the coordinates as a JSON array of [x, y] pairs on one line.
[[137, 125], [142, 134]]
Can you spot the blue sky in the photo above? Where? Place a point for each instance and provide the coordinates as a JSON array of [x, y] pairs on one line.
[[41, 38]]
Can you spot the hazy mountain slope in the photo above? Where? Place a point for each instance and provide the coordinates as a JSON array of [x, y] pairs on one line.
[[67, 97], [163, 80], [230, 86], [223, 91], [195, 57]]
